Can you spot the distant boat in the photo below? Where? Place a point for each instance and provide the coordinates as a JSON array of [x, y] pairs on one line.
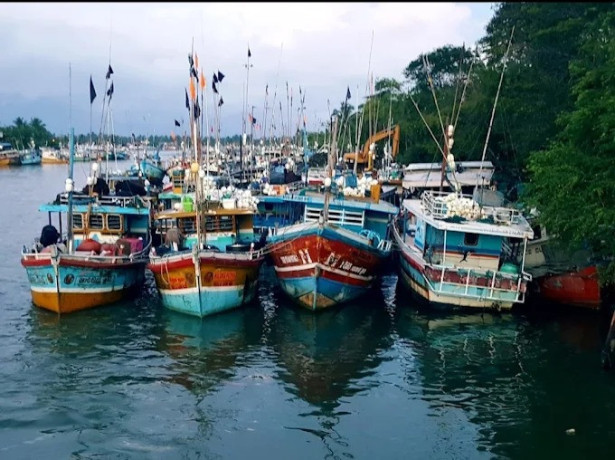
[[52, 156], [151, 168], [31, 156], [8, 155]]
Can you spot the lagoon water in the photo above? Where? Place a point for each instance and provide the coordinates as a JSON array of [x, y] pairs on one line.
[[377, 379]]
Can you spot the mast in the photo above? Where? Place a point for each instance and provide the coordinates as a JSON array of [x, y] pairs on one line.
[[69, 181], [243, 135], [330, 166]]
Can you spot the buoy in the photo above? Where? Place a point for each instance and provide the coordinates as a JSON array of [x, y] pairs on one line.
[[88, 245]]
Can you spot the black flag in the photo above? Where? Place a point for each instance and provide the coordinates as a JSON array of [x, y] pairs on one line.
[[249, 53], [220, 76], [253, 120], [220, 102], [92, 91], [191, 61], [193, 73], [187, 100], [215, 77], [348, 93], [177, 123], [197, 110], [109, 72], [110, 91], [213, 85]]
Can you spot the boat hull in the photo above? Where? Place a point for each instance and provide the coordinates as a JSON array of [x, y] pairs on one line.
[[70, 283], [579, 289], [456, 288], [320, 267], [152, 173], [227, 281]]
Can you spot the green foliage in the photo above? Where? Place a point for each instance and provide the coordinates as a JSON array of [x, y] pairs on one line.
[[572, 181], [21, 132]]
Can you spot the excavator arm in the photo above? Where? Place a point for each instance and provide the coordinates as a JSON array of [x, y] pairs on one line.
[[363, 156]]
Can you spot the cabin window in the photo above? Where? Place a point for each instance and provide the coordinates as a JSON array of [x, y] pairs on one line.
[[219, 224], [114, 222], [268, 206], [78, 221], [537, 233], [96, 221], [470, 239], [188, 225]]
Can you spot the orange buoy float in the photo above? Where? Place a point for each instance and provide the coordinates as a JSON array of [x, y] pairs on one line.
[[89, 245]]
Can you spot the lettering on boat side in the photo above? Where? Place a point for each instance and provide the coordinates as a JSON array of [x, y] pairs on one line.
[[94, 279], [348, 266], [178, 282], [224, 278], [39, 279], [289, 259]]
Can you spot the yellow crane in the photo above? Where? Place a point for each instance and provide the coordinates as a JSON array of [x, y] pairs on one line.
[[364, 156]]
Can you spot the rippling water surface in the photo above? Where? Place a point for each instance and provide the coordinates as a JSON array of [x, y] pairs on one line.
[[380, 378]]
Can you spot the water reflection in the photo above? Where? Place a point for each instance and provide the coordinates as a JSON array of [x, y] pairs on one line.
[[207, 351]]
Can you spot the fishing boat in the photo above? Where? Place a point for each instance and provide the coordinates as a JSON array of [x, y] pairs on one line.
[[8, 155], [562, 277], [53, 156], [206, 260], [454, 252], [30, 156], [150, 167], [335, 246], [102, 257], [457, 251]]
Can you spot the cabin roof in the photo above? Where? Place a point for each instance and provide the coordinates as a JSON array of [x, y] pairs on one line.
[[519, 228], [95, 208], [318, 199], [173, 214]]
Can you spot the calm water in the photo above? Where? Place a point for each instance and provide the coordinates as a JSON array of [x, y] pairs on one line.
[[376, 379]]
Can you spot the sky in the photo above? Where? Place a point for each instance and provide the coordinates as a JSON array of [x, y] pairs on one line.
[[50, 50]]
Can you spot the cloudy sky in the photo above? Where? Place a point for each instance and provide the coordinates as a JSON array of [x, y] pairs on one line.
[[322, 48]]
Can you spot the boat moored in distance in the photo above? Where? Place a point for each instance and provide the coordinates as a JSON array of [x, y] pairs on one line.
[[53, 156], [30, 156], [8, 155]]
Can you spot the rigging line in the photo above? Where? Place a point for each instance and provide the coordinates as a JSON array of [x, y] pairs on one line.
[[433, 93], [463, 93], [457, 85], [497, 95], [427, 126]]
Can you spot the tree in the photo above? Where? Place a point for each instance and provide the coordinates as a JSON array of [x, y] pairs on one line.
[[572, 181]]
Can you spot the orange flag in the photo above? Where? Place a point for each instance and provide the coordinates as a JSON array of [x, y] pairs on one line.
[[202, 80], [196, 61], [192, 90]]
